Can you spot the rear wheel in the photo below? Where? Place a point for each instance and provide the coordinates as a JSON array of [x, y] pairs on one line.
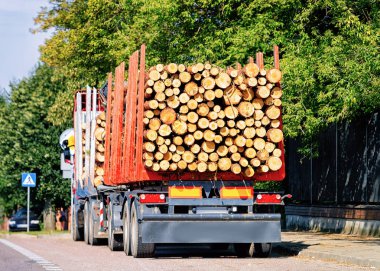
[[138, 248], [244, 249], [126, 230], [86, 222], [91, 234], [76, 233], [263, 250], [115, 241]]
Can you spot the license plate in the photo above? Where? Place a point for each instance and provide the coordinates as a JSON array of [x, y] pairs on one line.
[[22, 226]]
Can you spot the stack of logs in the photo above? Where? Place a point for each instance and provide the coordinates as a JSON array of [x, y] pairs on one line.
[[99, 148], [203, 118]]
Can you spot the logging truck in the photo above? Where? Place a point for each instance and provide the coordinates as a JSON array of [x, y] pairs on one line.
[[171, 153]]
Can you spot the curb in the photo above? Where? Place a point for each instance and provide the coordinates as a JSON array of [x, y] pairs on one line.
[[291, 251]]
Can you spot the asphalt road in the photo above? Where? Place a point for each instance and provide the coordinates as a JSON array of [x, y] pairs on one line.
[[66, 254]]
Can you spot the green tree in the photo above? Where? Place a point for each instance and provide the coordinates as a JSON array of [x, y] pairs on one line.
[[329, 48], [29, 142]]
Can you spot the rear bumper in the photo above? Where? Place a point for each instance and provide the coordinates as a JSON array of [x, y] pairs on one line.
[[211, 228]]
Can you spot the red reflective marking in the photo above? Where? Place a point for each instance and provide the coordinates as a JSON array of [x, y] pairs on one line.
[[152, 198]]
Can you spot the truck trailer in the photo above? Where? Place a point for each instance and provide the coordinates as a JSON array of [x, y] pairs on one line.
[[137, 207]]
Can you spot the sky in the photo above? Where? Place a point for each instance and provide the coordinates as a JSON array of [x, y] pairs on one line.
[[18, 46]]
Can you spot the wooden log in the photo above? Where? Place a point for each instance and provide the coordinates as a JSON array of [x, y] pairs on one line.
[[189, 139], [218, 139], [275, 135], [236, 157], [202, 156], [277, 102], [223, 80], [191, 88], [262, 81], [192, 166], [212, 166], [192, 104], [251, 70], [160, 141], [250, 153], [232, 72], [275, 123], [149, 83], [146, 121], [159, 86], [178, 140], [269, 146], [176, 83], [258, 103], [277, 153], [198, 97], [233, 132], [273, 112], [198, 135], [203, 110], [168, 116], [201, 167], [240, 141], [181, 68], [149, 146], [168, 156], [249, 172], [262, 72], [274, 163], [208, 146], [263, 155], [180, 150], [197, 76], [171, 68], [169, 92], [99, 133], [243, 162], [265, 121], [192, 117], [183, 117], [269, 85], [168, 83], [213, 157], [228, 141], [207, 66], [246, 109], [236, 168], [249, 143], [173, 102], [233, 149], [157, 112], [231, 112], [218, 93], [208, 83], [172, 148], [99, 171], [255, 162], [148, 156], [209, 135], [262, 92], [184, 98], [224, 131], [214, 71], [163, 149], [220, 123], [210, 104], [154, 75], [164, 130], [184, 77], [195, 148], [257, 123], [212, 115], [168, 141], [161, 106], [183, 109], [232, 95], [154, 124], [249, 122], [179, 127], [276, 93], [203, 123], [182, 165], [148, 114], [221, 114], [173, 167], [148, 163], [261, 131], [201, 90], [248, 94], [258, 114], [213, 125], [150, 135], [263, 168], [191, 127], [209, 95], [176, 157], [159, 67], [224, 164], [192, 69], [274, 76], [259, 144]]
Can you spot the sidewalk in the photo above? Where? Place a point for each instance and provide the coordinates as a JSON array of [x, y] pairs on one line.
[[363, 251]]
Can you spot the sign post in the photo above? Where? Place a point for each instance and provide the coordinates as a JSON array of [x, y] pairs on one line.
[[28, 180]]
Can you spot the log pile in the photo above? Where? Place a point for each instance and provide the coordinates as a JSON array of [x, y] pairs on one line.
[[99, 148], [206, 119]]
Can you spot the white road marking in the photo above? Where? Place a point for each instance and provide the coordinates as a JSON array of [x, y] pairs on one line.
[[34, 257]]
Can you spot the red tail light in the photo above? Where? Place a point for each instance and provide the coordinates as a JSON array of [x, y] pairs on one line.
[[152, 198]]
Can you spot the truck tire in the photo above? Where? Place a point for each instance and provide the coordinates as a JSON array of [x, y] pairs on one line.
[[138, 248], [263, 250], [244, 249], [86, 222], [126, 229], [76, 233], [91, 234], [115, 241]]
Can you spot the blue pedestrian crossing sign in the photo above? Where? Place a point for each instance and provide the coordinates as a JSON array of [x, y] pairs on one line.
[[28, 179]]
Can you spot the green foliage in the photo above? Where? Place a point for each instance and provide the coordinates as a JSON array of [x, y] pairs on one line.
[[29, 143], [329, 48]]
